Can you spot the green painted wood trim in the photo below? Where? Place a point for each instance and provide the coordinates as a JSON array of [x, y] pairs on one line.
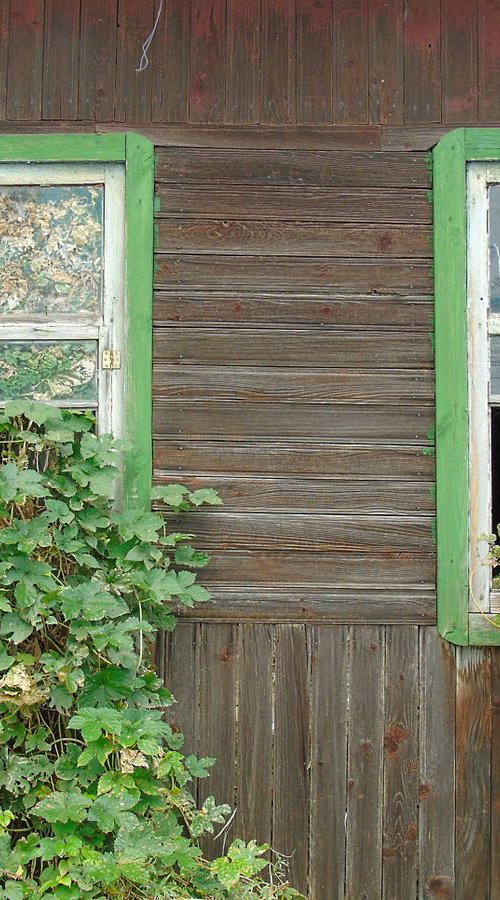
[[62, 147], [481, 632], [452, 439], [139, 199], [482, 143]]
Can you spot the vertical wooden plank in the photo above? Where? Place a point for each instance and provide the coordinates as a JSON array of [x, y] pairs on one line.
[[495, 773], [278, 71], [133, 88], [329, 675], [422, 33], [178, 666], [386, 61], [401, 763], [291, 753], [97, 59], [473, 749], [255, 733], [352, 61], [437, 766], [206, 93], [170, 59], [365, 763], [4, 56], [24, 73], [243, 62], [217, 731], [489, 60], [315, 85], [459, 60], [61, 59]]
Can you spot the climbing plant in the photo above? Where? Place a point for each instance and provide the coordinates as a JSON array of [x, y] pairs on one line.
[[96, 796]]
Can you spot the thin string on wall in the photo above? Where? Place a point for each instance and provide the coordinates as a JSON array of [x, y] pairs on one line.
[[144, 62]]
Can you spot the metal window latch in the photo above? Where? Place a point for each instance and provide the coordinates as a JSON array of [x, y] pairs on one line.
[[111, 359]]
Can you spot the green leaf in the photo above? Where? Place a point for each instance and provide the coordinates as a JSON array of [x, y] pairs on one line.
[[108, 810], [188, 556], [207, 496], [17, 483], [89, 601], [37, 412], [15, 628], [242, 859], [142, 525], [61, 806], [199, 768], [94, 722]]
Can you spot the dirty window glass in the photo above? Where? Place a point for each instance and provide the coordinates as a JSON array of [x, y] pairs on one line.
[[62, 371], [51, 249]]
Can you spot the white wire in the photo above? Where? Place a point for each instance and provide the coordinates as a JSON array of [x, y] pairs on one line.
[[147, 43]]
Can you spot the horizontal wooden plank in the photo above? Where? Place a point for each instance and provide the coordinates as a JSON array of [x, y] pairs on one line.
[[289, 494], [379, 607], [272, 531], [212, 307], [261, 138], [212, 420], [292, 273], [293, 167], [268, 384], [299, 204], [309, 347], [307, 458], [306, 571], [241, 237]]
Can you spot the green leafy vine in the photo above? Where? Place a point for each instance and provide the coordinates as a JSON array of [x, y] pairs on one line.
[[95, 797]]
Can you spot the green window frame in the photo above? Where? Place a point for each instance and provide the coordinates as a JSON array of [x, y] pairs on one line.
[[461, 619], [136, 153]]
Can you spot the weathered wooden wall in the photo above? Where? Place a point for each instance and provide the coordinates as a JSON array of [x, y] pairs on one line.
[[293, 370]]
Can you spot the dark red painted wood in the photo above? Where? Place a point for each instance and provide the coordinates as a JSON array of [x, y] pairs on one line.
[[97, 52], [386, 61], [352, 61], [459, 60], [61, 59], [24, 73], [133, 88], [316, 64], [243, 62], [207, 82], [170, 61], [422, 34], [489, 60], [278, 72]]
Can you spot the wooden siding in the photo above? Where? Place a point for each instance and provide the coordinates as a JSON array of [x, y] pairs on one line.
[[279, 62], [295, 384]]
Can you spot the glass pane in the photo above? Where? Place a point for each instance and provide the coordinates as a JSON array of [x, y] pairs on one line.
[[65, 371], [494, 246], [51, 241], [495, 363]]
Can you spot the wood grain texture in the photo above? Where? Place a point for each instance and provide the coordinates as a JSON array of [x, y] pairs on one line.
[[231, 307], [495, 772], [488, 60], [206, 92], [316, 88], [133, 88], [327, 347], [269, 384], [98, 38], [300, 204], [332, 571], [312, 532], [4, 56], [291, 753], [310, 457], [220, 420], [386, 61], [243, 64], [316, 168], [473, 760], [352, 61], [255, 733], [459, 60], [182, 680], [275, 137], [289, 239], [25, 61], [61, 59], [320, 495], [217, 728], [365, 763], [422, 33], [278, 59], [437, 767], [170, 58], [328, 653], [401, 764]]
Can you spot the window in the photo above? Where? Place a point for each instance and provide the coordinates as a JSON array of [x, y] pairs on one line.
[[76, 226], [467, 273]]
